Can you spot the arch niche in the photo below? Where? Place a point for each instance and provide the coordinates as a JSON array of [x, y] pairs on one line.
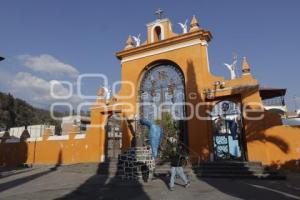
[[162, 99]]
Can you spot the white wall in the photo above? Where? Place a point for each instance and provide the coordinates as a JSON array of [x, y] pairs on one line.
[[35, 131]]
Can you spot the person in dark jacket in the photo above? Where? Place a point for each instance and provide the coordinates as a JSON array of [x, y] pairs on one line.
[[177, 162]]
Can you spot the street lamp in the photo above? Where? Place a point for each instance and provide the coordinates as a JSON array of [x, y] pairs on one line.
[[1, 58]]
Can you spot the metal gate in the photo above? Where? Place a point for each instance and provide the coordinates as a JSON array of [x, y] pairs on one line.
[[227, 131], [113, 137]]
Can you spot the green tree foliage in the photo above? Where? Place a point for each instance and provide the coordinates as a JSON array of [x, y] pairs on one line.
[[170, 133], [17, 112]]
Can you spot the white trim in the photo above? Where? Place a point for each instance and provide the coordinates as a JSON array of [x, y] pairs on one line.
[[163, 50], [79, 136], [246, 73], [207, 59], [157, 21], [34, 139], [31, 139], [59, 137], [102, 158]]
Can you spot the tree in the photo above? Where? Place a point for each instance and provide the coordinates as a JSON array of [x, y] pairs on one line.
[[170, 135], [16, 112]]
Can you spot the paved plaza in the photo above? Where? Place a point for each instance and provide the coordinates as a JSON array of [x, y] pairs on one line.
[[48, 183]]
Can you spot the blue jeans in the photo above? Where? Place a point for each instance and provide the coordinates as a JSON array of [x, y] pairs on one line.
[[177, 171]]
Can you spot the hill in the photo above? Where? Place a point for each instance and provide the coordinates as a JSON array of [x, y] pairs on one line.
[[15, 112]]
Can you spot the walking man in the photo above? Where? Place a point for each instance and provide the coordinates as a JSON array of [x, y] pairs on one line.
[[177, 161]]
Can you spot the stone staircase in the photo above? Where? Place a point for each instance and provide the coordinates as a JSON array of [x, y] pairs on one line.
[[162, 168], [236, 169], [219, 169]]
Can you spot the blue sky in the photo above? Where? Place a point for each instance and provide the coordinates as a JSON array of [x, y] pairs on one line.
[[82, 37]]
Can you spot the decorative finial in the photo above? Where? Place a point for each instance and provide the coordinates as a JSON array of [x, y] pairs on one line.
[[245, 66], [159, 13], [194, 24], [129, 43]]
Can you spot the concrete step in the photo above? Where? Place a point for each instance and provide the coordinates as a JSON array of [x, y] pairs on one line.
[[167, 171], [231, 171], [164, 169], [226, 168], [231, 164], [235, 169], [207, 170], [236, 172], [243, 176]]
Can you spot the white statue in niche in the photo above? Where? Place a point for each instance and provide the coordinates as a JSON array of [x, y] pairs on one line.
[[104, 93], [137, 40], [232, 68], [184, 26]]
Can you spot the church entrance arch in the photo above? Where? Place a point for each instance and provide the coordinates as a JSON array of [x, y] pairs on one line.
[[162, 101]]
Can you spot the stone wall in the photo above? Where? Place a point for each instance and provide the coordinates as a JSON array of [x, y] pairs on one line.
[[136, 164]]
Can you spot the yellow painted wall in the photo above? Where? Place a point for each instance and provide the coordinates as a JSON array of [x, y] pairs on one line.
[[52, 151], [277, 146], [266, 140]]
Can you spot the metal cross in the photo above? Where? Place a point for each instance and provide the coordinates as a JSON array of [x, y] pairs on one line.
[[159, 13]]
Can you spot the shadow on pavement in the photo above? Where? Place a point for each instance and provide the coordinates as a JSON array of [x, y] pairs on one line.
[[13, 172], [104, 186], [23, 180], [253, 189], [20, 181]]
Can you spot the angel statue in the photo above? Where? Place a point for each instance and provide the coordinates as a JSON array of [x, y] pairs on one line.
[[104, 93], [232, 68], [137, 40], [184, 26]]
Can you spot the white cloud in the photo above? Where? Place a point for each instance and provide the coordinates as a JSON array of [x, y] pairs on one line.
[[48, 64], [37, 90]]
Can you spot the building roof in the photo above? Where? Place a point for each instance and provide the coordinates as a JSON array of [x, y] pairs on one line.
[[269, 93]]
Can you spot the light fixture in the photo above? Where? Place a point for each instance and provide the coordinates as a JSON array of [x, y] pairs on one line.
[[217, 83]]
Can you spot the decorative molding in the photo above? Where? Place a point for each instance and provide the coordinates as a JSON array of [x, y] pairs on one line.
[[247, 73], [157, 21], [166, 49], [248, 86]]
